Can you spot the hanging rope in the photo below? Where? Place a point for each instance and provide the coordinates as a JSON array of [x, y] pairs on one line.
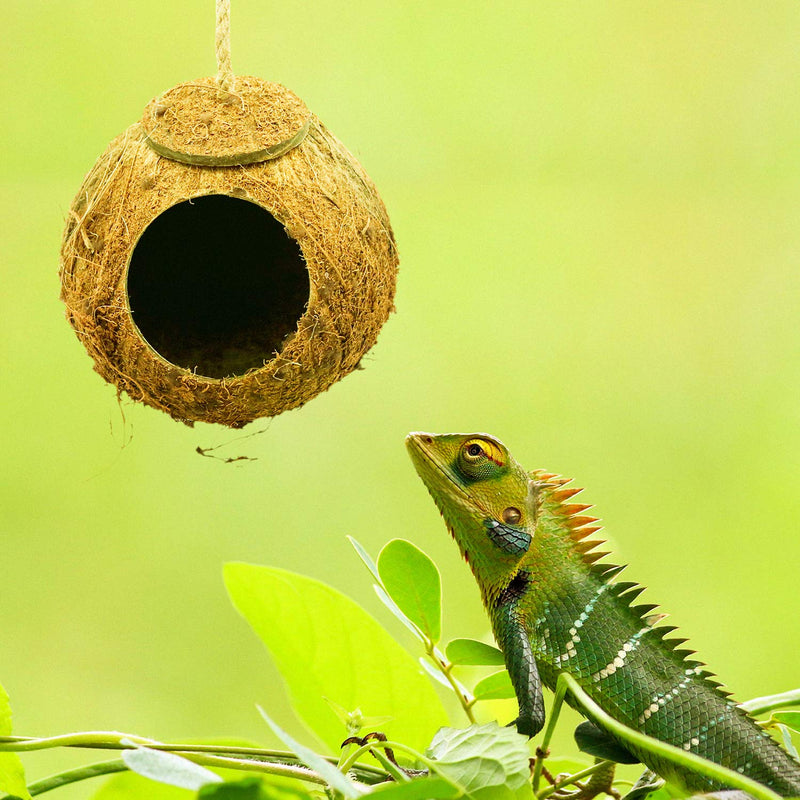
[[223, 44]]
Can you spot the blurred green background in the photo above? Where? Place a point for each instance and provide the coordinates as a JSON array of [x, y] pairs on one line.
[[596, 206]]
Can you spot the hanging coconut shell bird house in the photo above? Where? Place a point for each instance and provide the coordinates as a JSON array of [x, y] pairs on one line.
[[227, 258]]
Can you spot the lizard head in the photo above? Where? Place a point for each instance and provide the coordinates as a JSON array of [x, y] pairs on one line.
[[487, 499]]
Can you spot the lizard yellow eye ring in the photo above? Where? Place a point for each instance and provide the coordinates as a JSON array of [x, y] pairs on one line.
[[476, 450]]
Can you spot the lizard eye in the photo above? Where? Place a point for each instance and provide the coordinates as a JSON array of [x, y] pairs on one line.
[[479, 459], [511, 515], [474, 450]]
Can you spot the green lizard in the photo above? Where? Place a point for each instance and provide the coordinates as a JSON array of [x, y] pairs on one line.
[[556, 607]]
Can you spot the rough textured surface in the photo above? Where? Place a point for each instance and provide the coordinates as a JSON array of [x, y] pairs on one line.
[[327, 204], [201, 123]]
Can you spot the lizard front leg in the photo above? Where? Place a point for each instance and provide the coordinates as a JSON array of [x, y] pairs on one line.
[[513, 640]]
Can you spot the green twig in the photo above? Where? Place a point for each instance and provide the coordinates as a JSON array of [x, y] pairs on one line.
[[429, 763], [73, 776], [446, 668], [393, 770], [761, 705], [93, 739], [541, 751], [251, 765], [570, 779], [349, 763], [106, 740]]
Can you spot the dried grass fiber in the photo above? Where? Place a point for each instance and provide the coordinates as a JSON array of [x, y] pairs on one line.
[[327, 204]]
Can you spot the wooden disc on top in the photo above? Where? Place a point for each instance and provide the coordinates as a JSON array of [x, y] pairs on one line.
[[201, 123]]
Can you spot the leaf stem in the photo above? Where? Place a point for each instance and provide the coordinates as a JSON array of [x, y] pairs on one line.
[[251, 765], [761, 705], [348, 764], [391, 768], [570, 779], [107, 740], [446, 668], [541, 751], [417, 756], [93, 739]]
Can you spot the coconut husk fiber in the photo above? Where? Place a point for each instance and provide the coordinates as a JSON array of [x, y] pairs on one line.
[[332, 227]]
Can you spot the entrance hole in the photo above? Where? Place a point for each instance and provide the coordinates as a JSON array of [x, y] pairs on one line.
[[215, 284]]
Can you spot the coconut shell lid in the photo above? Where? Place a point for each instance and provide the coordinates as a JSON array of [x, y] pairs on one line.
[[201, 123]]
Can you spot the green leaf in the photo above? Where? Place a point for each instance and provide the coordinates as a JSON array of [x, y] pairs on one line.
[[496, 686], [354, 721], [788, 744], [326, 646], [381, 592], [168, 768], [12, 776], [523, 792], [251, 788], [668, 792], [435, 673], [365, 557], [412, 580], [392, 606], [474, 653], [419, 789], [487, 760], [333, 777], [791, 719], [130, 786], [12, 773]]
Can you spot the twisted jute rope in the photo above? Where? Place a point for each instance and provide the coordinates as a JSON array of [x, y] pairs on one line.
[[223, 45]]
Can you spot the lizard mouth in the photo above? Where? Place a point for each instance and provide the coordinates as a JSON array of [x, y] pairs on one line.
[[423, 457]]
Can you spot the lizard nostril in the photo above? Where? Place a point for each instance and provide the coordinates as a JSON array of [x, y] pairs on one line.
[[429, 439]]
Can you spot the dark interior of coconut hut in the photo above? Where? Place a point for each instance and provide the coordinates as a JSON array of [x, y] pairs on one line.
[[215, 285]]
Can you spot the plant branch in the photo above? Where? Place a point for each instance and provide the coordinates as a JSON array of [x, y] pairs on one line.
[[252, 765], [92, 739], [429, 763], [349, 763], [73, 776], [108, 767], [107, 740], [446, 668], [542, 751], [761, 705], [570, 779]]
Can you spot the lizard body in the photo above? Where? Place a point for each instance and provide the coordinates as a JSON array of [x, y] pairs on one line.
[[556, 607]]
